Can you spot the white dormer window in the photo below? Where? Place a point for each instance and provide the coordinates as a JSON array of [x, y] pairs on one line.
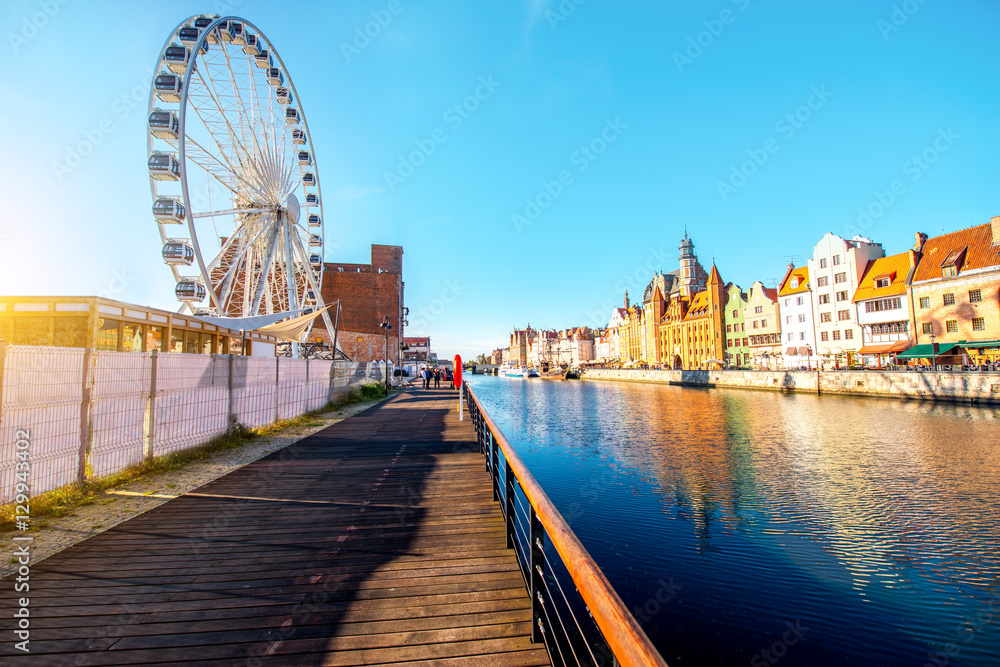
[[795, 283]]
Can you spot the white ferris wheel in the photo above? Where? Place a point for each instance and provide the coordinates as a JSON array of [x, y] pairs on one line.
[[233, 175]]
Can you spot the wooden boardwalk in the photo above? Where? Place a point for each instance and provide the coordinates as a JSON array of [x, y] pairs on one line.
[[375, 541]]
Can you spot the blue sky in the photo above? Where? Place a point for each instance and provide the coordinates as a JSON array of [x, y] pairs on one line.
[[621, 122]]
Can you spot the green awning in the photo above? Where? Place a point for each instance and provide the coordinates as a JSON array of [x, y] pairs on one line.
[[927, 351], [979, 343]]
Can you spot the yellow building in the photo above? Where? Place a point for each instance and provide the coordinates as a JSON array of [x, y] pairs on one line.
[[692, 330]]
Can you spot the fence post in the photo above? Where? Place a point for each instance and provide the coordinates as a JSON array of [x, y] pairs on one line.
[[496, 469], [277, 364], [151, 419], [3, 362], [86, 398], [537, 563], [232, 401]]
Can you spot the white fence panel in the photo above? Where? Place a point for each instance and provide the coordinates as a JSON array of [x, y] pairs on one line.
[[42, 392], [291, 388], [119, 411], [253, 390], [192, 401]]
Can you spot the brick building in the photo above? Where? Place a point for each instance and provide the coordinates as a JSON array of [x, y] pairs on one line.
[[367, 292]]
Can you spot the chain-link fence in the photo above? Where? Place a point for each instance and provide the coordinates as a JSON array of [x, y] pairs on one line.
[[90, 414]]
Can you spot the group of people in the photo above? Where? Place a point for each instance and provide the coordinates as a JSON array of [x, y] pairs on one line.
[[432, 376]]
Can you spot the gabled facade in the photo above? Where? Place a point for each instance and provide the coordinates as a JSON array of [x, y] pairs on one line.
[[761, 316], [883, 308], [835, 270], [955, 289], [738, 352], [798, 325]]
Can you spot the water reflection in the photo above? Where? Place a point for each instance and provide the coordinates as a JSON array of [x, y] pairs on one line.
[[871, 522]]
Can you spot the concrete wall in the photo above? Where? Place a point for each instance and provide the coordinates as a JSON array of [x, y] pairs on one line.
[[973, 387]]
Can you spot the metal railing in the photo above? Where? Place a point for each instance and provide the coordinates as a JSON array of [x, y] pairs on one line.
[[574, 610]]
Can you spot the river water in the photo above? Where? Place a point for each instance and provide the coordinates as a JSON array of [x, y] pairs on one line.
[[761, 528]]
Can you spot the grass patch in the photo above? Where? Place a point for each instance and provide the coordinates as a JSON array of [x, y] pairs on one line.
[[60, 502]]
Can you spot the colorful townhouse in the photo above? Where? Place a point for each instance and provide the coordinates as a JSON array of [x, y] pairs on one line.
[[955, 295], [882, 307], [835, 269], [761, 315], [798, 325], [738, 353]]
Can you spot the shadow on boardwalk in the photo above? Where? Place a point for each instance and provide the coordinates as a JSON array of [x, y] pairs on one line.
[[373, 541]]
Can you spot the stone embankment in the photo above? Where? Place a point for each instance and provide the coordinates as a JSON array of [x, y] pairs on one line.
[[966, 387]]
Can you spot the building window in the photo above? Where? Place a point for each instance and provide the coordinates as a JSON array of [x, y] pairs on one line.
[[799, 300], [881, 282], [802, 318], [975, 296], [949, 299], [841, 296], [822, 262], [843, 315], [790, 337], [883, 304], [925, 302], [824, 336], [927, 328], [836, 334], [755, 324], [758, 309], [836, 260], [978, 324], [736, 313], [788, 319], [848, 334], [822, 281], [744, 342], [802, 335], [824, 298], [951, 326], [763, 324], [788, 302], [729, 328], [949, 271], [840, 278], [824, 317]]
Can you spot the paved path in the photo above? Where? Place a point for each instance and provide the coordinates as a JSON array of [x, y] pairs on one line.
[[374, 541]]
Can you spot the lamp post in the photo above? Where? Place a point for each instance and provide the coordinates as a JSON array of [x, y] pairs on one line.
[[934, 351], [385, 325]]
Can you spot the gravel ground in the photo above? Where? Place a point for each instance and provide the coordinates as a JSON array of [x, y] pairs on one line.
[[122, 503]]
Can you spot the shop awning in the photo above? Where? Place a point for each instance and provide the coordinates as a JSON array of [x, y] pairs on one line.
[[927, 351], [979, 343], [804, 351], [791, 351], [877, 348]]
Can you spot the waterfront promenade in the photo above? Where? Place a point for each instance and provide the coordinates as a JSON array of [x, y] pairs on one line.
[[374, 541]]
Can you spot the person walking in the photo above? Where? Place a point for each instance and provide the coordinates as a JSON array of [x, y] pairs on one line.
[[437, 378], [426, 374]]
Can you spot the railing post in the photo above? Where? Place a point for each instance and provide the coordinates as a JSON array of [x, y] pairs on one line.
[[495, 465], [154, 359], [537, 562], [509, 504], [86, 397]]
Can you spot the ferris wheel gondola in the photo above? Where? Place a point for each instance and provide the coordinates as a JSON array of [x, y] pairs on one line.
[[226, 157]]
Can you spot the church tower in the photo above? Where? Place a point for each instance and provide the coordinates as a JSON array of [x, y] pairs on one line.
[[689, 268]]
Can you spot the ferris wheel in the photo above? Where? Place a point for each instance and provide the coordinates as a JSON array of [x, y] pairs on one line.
[[233, 175]]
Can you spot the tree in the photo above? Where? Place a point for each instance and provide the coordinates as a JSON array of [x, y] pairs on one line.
[[481, 359]]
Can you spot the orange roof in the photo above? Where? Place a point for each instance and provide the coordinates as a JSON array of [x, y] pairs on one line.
[[698, 307], [802, 273], [895, 267], [981, 252]]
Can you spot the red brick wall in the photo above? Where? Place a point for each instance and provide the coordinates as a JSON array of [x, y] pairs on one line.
[[368, 292]]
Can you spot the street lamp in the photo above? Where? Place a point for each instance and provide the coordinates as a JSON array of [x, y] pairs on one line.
[[385, 325], [934, 351]]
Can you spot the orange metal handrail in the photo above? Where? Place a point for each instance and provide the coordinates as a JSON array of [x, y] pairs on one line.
[[623, 633]]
